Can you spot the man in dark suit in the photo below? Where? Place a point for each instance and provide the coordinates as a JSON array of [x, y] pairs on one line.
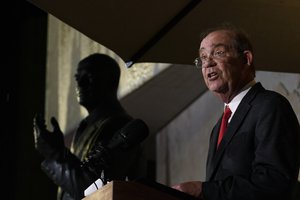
[[89, 157], [258, 156]]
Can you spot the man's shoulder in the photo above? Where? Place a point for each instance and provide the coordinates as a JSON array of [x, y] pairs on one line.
[[110, 124], [115, 120], [267, 99], [266, 94]]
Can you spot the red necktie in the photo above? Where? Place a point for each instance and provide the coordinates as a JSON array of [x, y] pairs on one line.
[[224, 123]]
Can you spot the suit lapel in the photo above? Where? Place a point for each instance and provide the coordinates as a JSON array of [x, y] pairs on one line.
[[82, 141], [233, 126], [83, 144], [212, 149]]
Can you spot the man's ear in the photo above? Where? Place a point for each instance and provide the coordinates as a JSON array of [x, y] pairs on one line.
[[248, 57]]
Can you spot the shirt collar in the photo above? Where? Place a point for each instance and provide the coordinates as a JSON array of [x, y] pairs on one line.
[[234, 103]]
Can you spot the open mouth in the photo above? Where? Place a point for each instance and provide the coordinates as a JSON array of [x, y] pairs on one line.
[[212, 75]]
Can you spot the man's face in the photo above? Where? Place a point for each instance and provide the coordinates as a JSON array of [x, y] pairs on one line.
[[83, 79], [87, 87], [223, 67]]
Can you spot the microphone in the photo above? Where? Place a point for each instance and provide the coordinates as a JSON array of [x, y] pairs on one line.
[[133, 133]]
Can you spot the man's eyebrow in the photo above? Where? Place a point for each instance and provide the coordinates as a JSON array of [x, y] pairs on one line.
[[215, 45]]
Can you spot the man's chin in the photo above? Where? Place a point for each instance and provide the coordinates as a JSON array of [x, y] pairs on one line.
[[217, 87]]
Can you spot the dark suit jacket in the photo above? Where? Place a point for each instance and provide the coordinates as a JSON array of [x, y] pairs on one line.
[[259, 155], [73, 179]]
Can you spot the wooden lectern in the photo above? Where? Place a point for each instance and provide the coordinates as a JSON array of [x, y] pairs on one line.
[[128, 190]]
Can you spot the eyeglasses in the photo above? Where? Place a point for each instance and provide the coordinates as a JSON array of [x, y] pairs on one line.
[[218, 53]]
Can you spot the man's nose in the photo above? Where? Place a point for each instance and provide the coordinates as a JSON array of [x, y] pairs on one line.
[[210, 62]]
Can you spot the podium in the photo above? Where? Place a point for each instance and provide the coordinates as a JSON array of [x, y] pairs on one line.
[[131, 190]]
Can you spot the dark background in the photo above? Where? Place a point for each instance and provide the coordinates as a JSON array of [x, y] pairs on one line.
[[24, 29]]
